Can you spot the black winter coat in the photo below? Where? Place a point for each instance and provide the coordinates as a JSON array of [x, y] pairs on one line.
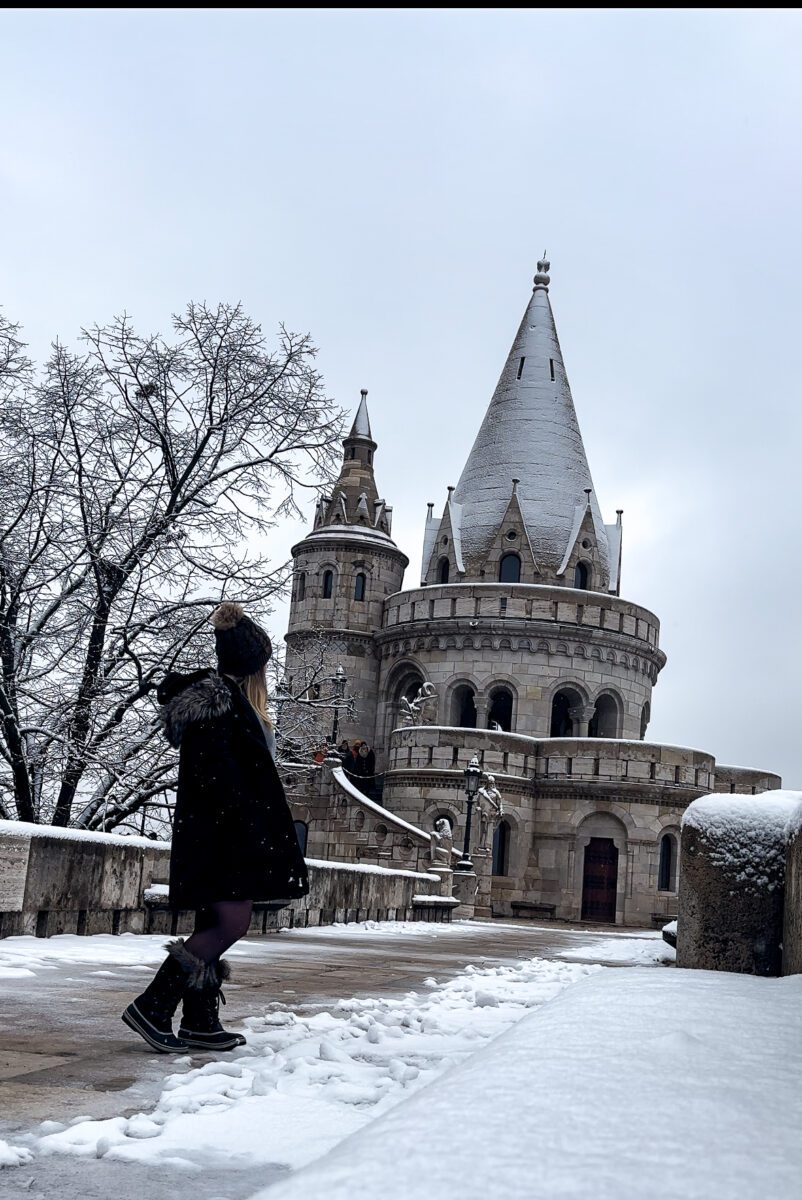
[[233, 836]]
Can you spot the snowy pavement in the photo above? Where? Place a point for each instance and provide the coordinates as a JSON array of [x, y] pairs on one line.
[[671, 1085], [429, 1036], [66, 1057]]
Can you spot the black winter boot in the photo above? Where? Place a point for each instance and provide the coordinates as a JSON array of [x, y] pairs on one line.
[[200, 1025], [151, 1014]]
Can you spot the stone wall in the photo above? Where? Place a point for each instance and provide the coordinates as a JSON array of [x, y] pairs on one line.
[[792, 917], [68, 881]]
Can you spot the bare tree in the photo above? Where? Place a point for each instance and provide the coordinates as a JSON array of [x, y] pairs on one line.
[[137, 482]]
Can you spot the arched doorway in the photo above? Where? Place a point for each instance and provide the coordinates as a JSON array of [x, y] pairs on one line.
[[600, 880], [463, 707], [562, 723], [499, 711], [501, 848], [604, 722], [645, 714], [442, 571]]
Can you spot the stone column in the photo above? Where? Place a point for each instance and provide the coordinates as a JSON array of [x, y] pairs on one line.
[[581, 715]]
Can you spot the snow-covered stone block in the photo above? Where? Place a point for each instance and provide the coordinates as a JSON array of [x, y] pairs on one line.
[[732, 881]]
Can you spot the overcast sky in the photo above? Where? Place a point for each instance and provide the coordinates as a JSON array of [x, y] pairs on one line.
[[387, 181]]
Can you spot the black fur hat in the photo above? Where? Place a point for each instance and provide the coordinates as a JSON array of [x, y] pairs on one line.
[[243, 647]]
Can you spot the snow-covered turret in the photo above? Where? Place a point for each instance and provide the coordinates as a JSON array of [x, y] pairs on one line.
[[526, 489]]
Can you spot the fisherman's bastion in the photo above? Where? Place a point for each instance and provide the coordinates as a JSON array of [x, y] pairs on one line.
[[517, 649]]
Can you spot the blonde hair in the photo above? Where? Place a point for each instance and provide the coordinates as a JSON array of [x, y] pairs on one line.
[[255, 688]]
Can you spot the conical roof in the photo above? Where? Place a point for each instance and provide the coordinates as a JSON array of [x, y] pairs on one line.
[[361, 425], [530, 433]]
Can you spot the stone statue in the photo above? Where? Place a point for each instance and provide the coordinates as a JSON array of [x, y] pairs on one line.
[[442, 841], [491, 810], [413, 711]]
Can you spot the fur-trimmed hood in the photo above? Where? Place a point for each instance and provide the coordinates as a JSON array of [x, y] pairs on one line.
[[186, 699]]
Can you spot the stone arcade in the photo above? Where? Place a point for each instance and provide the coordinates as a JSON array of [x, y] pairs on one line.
[[540, 667]]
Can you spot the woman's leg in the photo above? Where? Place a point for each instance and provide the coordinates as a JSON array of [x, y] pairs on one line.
[[217, 927]]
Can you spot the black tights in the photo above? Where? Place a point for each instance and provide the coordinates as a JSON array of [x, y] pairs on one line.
[[218, 927]]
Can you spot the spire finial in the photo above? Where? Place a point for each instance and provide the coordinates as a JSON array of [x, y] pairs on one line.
[[363, 392], [542, 279]]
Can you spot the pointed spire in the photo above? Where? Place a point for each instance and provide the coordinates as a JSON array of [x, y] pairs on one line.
[[361, 425], [530, 431]]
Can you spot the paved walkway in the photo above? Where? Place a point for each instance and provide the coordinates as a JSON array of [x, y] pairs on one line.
[[64, 1052]]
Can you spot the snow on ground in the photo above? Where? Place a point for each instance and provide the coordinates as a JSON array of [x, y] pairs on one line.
[[645, 950], [21, 956], [633, 1083], [26, 956], [13, 1156], [304, 1082]]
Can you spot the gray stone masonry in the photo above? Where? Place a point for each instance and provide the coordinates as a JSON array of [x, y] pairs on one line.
[[724, 925], [95, 883], [792, 918]]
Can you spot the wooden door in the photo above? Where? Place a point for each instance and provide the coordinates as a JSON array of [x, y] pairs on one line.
[[600, 880]]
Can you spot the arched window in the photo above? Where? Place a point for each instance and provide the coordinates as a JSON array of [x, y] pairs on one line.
[[582, 576], [604, 722], [359, 586], [499, 711], [645, 714], [562, 723], [463, 707], [442, 571], [667, 871], [501, 848], [509, 569], [302, 834], [328, 584], [301, 593]]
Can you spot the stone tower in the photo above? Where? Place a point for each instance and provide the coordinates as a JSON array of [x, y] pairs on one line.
[[518, 622], [343, 571]]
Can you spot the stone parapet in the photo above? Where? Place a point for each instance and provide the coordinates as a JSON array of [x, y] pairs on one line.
[[68, 881], [745, 781], [524, 764], [524, 607]]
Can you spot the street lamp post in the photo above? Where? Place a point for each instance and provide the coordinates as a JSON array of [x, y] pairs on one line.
[[339, 680], [473, 775]]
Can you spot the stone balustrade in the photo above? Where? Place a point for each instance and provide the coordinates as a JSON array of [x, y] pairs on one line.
[[549, 761]]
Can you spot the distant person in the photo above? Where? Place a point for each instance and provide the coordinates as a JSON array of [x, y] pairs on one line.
[[344, 750], [365, 769], [320, 755], [233, 838]]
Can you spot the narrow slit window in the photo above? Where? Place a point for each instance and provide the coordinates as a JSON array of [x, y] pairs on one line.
[[521, 368], [551, 367]]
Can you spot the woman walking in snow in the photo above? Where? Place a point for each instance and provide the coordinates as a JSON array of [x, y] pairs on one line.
[[233, 837]]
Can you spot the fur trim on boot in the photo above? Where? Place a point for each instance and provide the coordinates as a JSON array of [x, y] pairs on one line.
[[200, 1026], [200, 974]]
